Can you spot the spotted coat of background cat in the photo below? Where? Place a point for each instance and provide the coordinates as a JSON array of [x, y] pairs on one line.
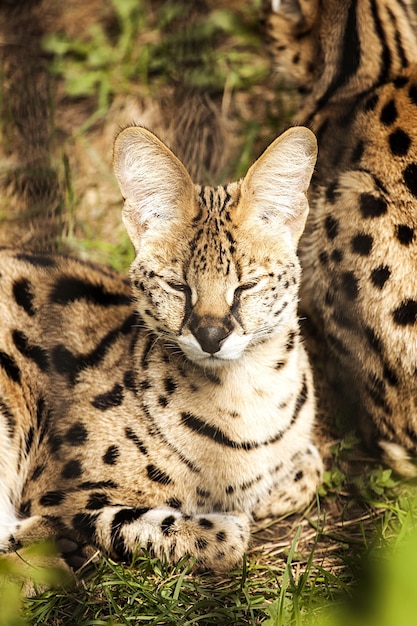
[[355, 62], [169, 410]]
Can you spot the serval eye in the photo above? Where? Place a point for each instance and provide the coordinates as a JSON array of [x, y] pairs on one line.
[[178, 286], [239, 290], [248, 286], [245, 287]]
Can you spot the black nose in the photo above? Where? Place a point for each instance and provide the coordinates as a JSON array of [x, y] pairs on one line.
[[211, 337]]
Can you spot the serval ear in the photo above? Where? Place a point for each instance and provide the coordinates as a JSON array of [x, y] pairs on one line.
[[287, 8], [156, 187], [274, 191]]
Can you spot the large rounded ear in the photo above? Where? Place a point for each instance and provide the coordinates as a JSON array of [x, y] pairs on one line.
[[273, 192], [156, 187]]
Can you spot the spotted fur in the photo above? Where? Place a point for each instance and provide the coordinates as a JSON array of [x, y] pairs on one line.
[[355, 63], [167, 411]]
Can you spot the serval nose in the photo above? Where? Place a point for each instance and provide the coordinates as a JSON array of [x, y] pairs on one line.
[[210, 332]]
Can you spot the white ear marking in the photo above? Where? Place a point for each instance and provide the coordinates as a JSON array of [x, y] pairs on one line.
[[276, 5]]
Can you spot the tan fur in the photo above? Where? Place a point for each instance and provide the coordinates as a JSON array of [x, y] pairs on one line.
[[355, 62], [168, 412]]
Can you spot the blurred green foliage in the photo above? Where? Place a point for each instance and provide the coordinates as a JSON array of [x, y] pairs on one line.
[[145, 49]]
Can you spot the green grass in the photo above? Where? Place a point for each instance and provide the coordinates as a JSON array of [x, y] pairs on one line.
[[147, 49], [324, 573]]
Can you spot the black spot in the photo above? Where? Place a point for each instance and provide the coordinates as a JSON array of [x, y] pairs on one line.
[[410, 177], [389, 113], [358, 151], [362, 244], [280, 364], [329, 298], [43, 419], [23, 294], [301, 400], [376, 391], [9, 365], [129, 515], [337, 255], [29, 440], [221, 536], [203, 429], [97, 501], [212, 377], [110, 399], [145, 384], [100, 484], [54, 442], [157, 475], [166, 525], [6, 413], [290, 341], [122, 517], [174, 503], [72, 469], [390, 376], [400, 81], [331, 192], [205, 523], [374, 341], [32, 352], [324, 258], [332, 227], [411, 433], [135, 439], [380, 275], [163, 401], [40, 408], [85, 525], [139, 285], [371, 103], [412, 93], [25, 508], [9, 417], [372, 206], [37, 472], [129, 380], [77, 434], [202, 493], [111, 455], [399, 142], [68, 289], [52, 498], [70, 365], [170, 385], [65, 362], [405, 234], [37, 260], [350, 285], [299, 475], [406, 314], [201, 543], [230, 489]]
